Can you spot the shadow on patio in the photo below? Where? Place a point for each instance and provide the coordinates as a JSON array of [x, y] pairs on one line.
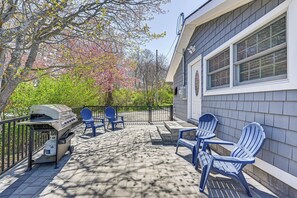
[[124, 163]]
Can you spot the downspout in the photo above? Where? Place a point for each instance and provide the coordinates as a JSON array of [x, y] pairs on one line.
[[184, 68]]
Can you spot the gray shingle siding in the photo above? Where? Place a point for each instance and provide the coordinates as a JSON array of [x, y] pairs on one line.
[[280, 128], [275, 111], [180, 106]]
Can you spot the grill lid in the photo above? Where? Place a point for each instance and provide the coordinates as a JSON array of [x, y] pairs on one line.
[[51, 111], [56, 116]]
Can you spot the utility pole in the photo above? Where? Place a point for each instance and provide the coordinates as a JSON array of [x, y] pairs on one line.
[[157, 76], [157, 68]]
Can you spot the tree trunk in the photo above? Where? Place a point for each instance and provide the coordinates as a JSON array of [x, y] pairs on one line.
[[109, 99], [12, 79]]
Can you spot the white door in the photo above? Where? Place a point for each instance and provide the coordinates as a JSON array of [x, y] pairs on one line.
[[196, 90]]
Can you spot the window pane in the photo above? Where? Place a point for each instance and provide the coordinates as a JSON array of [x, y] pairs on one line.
[[241, 55], [281, 62], [241, 46], [264, 34], [281, 55], [251, 41], [244, 76], [279, 39], [264, 45], [254, 74], [273, 64], [270, 36], [267, 71], [252, 51], [267, 60], [278, 26], [268, 63], [281, 68], [219, 77], [244, 67], [254, 64]]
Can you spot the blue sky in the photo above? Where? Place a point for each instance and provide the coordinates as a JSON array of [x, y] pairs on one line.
[[167, 22]]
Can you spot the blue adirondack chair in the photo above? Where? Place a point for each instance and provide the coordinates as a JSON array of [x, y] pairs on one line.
[[89, 121], [244, 152], [113, 118], [205, 130]]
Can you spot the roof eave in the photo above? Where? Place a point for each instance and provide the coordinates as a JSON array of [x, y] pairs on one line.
[[209, 11]]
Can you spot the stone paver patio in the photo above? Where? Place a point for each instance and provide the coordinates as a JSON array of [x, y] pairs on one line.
[[122, 163]]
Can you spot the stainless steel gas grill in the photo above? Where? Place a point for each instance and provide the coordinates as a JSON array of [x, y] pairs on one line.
[[57, 120]]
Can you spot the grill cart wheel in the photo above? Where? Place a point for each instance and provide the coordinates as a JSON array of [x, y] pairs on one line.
[[70, 149]]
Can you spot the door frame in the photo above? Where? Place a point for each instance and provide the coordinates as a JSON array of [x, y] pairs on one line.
[[189, 74]]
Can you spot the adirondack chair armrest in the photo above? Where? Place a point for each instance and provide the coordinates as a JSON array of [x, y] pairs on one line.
[[87, 121], [109, 118], [121, 117], [207, 142], [207, 136], [99, 119], [181, 131], [249, 160]]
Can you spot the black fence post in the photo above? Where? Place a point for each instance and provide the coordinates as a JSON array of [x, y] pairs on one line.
[[150, 114], [171, 112], [3, 148], [116, 109]]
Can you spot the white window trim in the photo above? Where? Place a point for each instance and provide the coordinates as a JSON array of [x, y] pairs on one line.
[[288, 6]]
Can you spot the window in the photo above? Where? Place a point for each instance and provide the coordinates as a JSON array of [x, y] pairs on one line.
[[218, 68], [263, 55]]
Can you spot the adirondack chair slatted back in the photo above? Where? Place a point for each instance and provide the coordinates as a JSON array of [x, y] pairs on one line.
[[110, 112], [207, 124], [250, 142], [86, 114]]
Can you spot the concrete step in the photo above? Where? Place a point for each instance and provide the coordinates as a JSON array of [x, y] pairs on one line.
[[174, 128], [165, 134], [155, 137]]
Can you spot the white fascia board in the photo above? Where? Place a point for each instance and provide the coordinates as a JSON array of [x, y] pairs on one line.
[[210, 11]]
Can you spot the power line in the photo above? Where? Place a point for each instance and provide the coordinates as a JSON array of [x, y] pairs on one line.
[[171, 46]]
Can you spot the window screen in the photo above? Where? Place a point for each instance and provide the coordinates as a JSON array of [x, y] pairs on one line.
[[262, 55]]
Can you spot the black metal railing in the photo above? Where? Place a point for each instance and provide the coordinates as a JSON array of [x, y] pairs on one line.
[[137, 113], [14, 140], [77, 110]]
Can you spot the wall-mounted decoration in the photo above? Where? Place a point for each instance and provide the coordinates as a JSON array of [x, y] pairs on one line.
[[197, 82]]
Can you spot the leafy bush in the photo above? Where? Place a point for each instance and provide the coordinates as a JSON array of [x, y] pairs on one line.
[[66, 90], [73, 92]]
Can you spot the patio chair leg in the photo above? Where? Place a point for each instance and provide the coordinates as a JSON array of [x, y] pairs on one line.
[[197, 164], [204, 176], [193, 155], [176, 148], [202, 179], [244, 183], [85, 130], [112, 126], [94, 132]]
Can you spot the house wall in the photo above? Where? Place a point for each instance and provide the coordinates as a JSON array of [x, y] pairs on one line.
[[275, 111], [179, 105]]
